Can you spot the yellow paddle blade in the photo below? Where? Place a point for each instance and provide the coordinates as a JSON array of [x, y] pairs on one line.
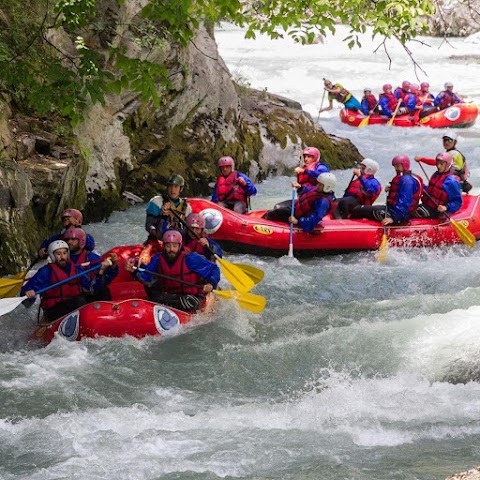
[[236, 276], [10, 287], [256, 274], [383, 250], [465, 235], [247, 301], [364, 121]]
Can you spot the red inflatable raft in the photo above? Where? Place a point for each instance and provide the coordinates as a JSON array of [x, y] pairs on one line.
[[129, 312], [461, 115], [253, 234]]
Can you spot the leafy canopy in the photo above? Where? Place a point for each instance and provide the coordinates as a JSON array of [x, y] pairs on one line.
[[41, 76]]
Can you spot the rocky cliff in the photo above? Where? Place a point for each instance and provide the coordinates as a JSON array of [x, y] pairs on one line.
[[128, 144]]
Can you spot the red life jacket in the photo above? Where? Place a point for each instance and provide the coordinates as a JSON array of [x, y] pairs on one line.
[[304, 206], [447, 100], [436, 191], [392, 197], [56, 295], [179, 270], [371, 101], [392, 100], [304, 179], [401, 92], [193, 245], [356, 190], [228, 190]]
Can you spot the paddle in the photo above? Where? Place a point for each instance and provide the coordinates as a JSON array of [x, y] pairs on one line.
[[383, 250], [466, 236], [253, 272], [292, 211], [390, 122], [236, 276], [10, 287], [247, 301], [9, 304], [367, 118], [321, 105]]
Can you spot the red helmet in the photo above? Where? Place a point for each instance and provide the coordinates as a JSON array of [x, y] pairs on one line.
[[226, 161], [402, 160], [76, 233], [414, 87], [445, 157], [424, 85], [74, 213], [172, 236], [405, 84], [386, 87], [315, 152], [195, 220]]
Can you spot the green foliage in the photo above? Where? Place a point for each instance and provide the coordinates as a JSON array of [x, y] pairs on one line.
[[41, 77]]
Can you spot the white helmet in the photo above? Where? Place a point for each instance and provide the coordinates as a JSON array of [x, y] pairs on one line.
[[371, 166], [328, 181], [448, 84], [54, 246]]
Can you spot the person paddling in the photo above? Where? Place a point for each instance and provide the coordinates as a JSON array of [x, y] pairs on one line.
[[196, 240], [404, 193], [443, 193], [314, 203], [175, 263], [459, 165], [232, 189], [71, 218], [95, 285], [57, 301], [159, 216], [340, 94]]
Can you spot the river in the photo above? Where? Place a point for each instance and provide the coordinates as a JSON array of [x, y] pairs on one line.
[[355, 370]]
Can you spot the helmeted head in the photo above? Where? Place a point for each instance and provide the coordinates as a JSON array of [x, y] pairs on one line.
[[314, 152], [328, 181], [54, 246], [414, 87], [226, 162], [448, 85], [76, 233], [176, 179], [367, 89], [387, 87], [172, 236], [445, 157], [73, 213], [424, 86], [405, 84], [172, 244], [371, 166], [402, 160], [195, 220], [327, 83], [451, 137]]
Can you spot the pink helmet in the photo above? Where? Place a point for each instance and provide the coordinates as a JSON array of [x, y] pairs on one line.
[[76, 233], [445, 157], [424, 85], [195, 220], [402, 160], [226, 161], [386, 87], [405, 84], [414, 87], [315, 152], [74, 213], [172, 236]]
